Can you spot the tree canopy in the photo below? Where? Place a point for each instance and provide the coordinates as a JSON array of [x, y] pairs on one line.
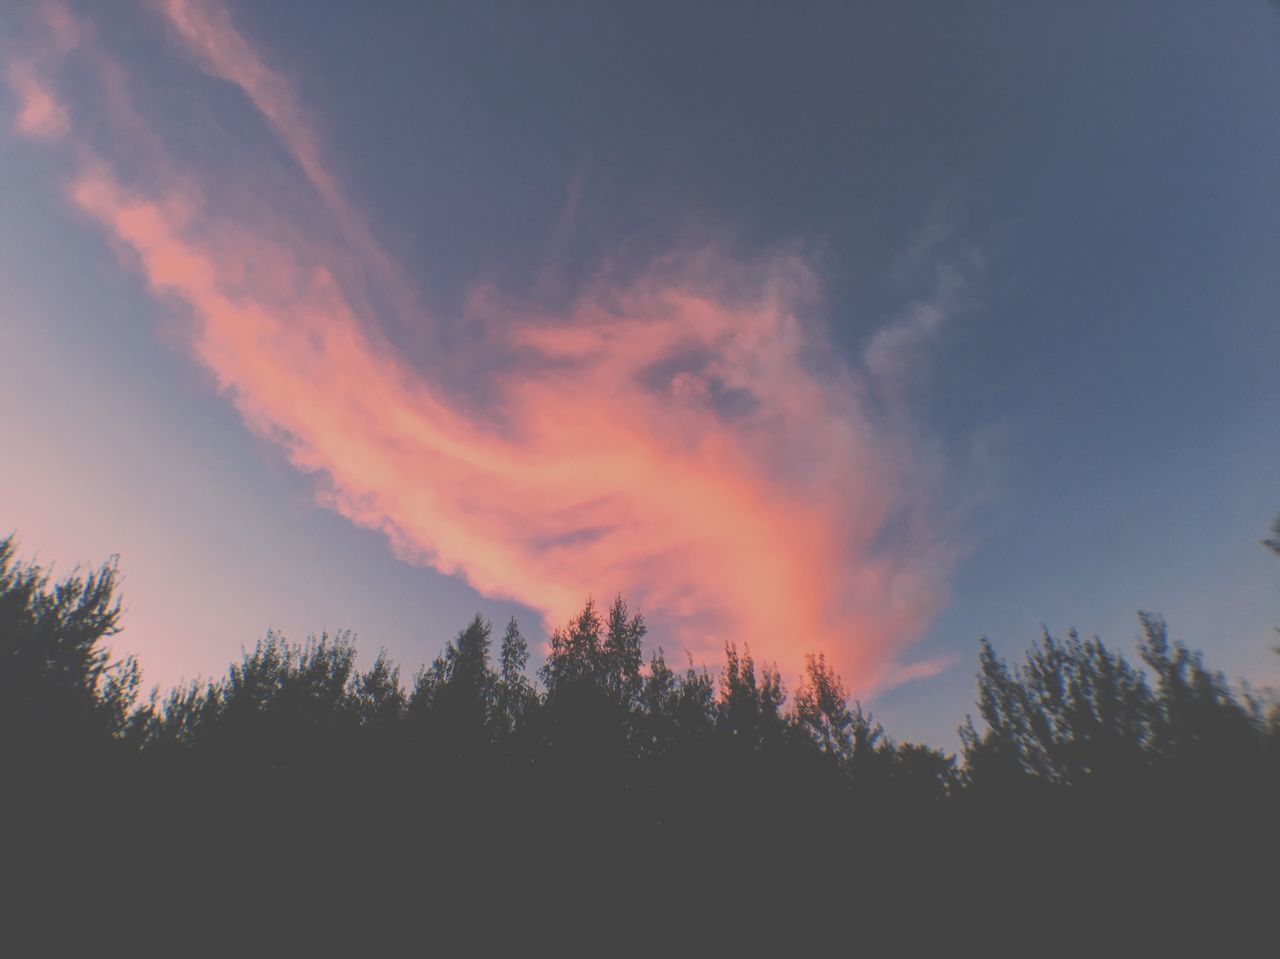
[[1085, 755]]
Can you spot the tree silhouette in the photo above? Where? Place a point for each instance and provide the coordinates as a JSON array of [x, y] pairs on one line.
[[822, 708], [516, 696], [1081, 773], [380, 704], [379, 700], [1075, 713], [63, 702], [1201, 728], [622, 654], [576, 658], [921, 775], [282, 709], [454, 707]]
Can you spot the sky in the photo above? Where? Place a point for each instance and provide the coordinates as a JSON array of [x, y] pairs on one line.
[[861, 328]]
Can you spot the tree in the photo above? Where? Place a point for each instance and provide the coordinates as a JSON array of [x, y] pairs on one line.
[[1077, 714], [454, 704], [751, 731], [849, 739], [380, 706], [1073, 712], [283, 709], [576, 655], [822, 708], [678, 710], [377, 697], [63, 702], [1201, 729], [749, 711], [586, 726], [920, 774], [515, 694], [175, 723], [622, 653]]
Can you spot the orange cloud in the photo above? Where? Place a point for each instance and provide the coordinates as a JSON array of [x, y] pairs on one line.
[[686, 437]]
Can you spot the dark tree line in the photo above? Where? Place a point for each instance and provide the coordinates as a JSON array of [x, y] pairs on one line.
[[1075, 715], [604, 748]]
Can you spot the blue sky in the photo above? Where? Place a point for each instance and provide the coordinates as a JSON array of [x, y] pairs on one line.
[[1097, 407]]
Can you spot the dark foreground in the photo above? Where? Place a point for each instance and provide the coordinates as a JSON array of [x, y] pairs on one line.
[[611, 805]]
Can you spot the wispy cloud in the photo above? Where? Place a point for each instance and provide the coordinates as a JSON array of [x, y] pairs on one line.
[[39, 114], [686, 436]]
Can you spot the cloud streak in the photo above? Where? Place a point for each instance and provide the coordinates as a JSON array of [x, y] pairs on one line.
[[685, 436], [39, 115]]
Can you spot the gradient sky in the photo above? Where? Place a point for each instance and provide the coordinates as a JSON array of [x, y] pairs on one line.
[[868, 328]]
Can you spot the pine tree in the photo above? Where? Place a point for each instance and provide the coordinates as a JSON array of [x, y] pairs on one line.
[[622, 654], [515, 693], [576, 654]]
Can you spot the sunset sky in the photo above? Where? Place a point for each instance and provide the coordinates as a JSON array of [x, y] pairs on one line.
[[867, 329]]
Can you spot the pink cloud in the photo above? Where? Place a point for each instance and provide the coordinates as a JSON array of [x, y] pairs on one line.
[[921, 669], [39, 115], [685, 437], [205, 29]]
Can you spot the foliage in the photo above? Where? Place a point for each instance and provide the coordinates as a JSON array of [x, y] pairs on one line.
[[1073, 717], [63, 701]]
